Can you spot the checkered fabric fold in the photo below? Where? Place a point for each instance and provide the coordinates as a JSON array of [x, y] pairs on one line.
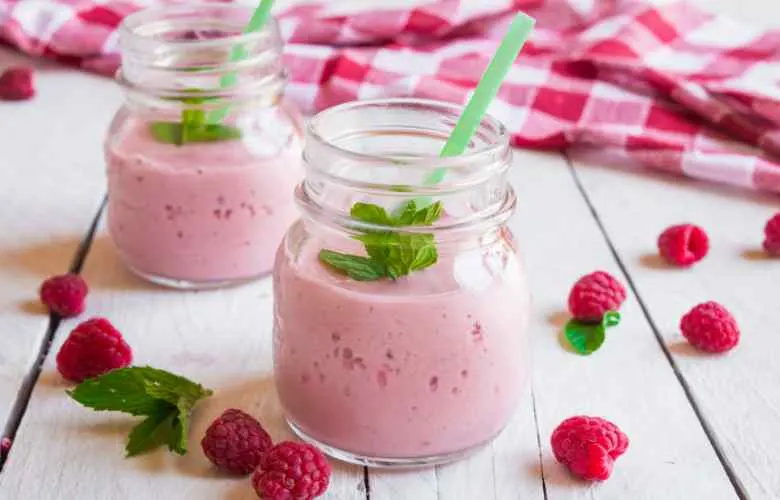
[[665, 85]]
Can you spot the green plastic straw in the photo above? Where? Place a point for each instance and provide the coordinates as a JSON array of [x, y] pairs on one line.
[[259, 19], [487, 88]]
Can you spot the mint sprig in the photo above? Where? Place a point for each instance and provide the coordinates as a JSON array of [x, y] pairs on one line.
[[391, 254], [166, 399], [586, 338], [193, 126]]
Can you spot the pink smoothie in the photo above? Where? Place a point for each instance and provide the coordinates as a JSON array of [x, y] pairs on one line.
[[202, 212], [429, 365]]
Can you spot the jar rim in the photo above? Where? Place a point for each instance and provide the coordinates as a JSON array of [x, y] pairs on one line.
[[501, 142], [128, 28]]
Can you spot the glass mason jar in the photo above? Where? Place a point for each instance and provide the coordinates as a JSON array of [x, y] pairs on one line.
[[204, 156], [401, 306]]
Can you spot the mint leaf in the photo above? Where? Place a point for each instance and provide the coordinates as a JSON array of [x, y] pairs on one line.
[[193, 126], [611, 318], [584, 338], [165, 398], [425, 255], [373, 214], [177, 442], [428, 215], [400, 253], [391, 254], [406, 213], [177, 133], [356, 267], [587, 338], [119, 390], [170, 387], [166, 132], [154, 431]]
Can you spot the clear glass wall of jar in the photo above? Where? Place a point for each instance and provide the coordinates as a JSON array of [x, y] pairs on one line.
[[401, 306], [204, 156]]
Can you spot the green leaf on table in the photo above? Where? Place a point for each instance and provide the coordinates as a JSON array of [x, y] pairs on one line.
[[172, 388], [152, 432], [166, 399], [585, 338], [610, 319]]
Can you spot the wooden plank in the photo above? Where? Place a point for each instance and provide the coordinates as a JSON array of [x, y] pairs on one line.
[[737, 393], [220, 338], [628, 381], [51, 164], [754, 12]]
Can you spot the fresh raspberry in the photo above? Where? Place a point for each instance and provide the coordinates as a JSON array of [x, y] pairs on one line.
[[772, 236], [292, 471], [64, 294], [683, 245], [588, 446], [235, 442], [5, 447], [593, 295], [16, 84], [710, 327], [93, 348]]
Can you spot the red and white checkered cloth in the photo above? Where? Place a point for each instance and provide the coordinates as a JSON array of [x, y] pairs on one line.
[[669, 85]]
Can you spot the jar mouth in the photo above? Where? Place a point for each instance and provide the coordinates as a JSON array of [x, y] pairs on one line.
[[494, 134], [143, 27], [167, 51], [446, 230]]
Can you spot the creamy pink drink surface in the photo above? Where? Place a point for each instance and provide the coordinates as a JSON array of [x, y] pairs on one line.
[[424, 366], [202, 212]]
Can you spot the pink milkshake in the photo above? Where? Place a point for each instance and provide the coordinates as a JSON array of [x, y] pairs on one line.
[[203, 213], [204, 156], [427, 366], [401, 307]]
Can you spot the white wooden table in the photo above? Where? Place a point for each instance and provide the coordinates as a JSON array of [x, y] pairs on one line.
[[701, 427]]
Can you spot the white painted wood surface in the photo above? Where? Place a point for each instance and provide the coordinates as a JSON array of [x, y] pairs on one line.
[[52, 183]]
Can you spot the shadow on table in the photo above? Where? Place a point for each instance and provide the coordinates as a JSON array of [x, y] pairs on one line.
[[582, 157], [256, 396], [558, 319], [104, 269], [655, 261], [40, 260], [755, 254], [683, 348], [554, 473], [243, 490]]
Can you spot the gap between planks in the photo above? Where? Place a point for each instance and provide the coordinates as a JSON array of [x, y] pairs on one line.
[[31, 379], [728, 468]]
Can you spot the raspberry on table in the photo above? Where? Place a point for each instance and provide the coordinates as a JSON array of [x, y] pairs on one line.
[[588, 446], [5, 447], [235, 442], [16, 84], [93, 348], [64, 295], [772, 236], [593, 295], [710, 327], [683, 245], [292, 471]]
